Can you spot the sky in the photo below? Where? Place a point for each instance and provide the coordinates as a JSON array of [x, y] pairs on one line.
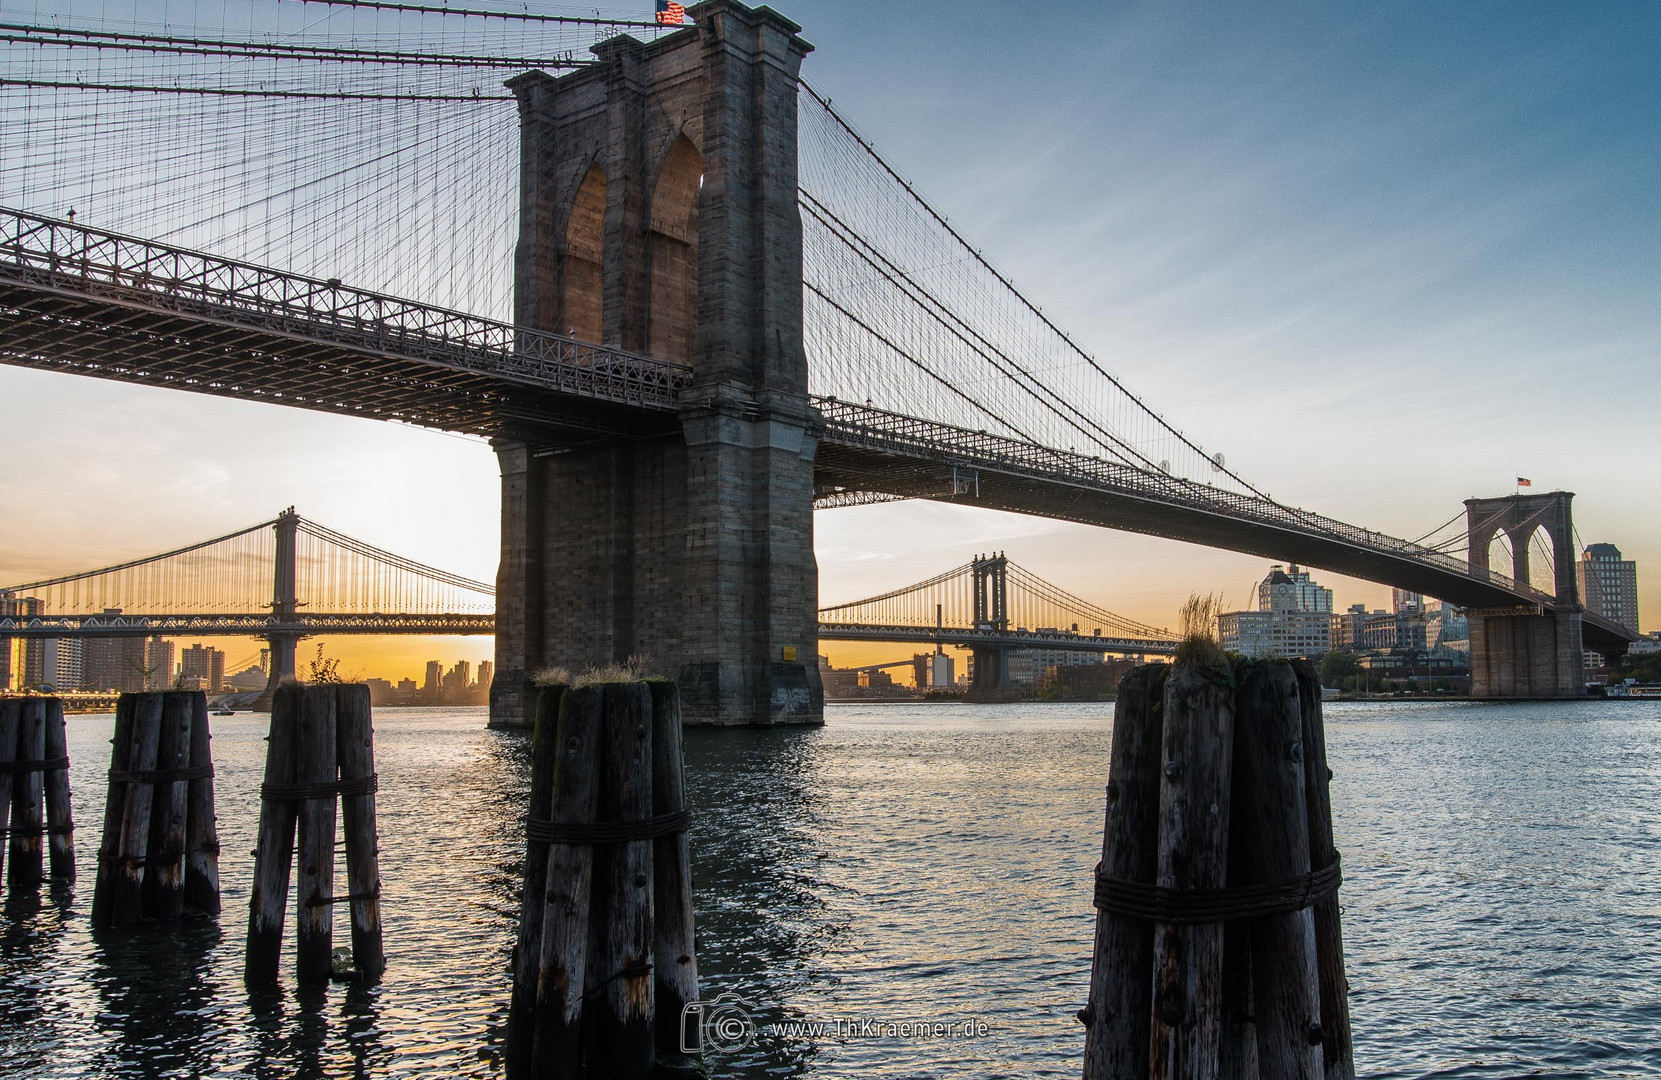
[[1387, 257]]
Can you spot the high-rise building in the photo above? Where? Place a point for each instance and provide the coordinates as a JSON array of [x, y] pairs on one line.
[[1292, 589], [113, 663], [158, 664], [60, 664], [487, 672], [435, 678], [23, 657], [208, 665], [1608, 584]]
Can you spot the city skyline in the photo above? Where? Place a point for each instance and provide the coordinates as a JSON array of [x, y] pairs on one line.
[[1375, 327]]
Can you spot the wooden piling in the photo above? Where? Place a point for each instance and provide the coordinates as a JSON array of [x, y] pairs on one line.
[[115, 807], [674, 957], [11, 718], [201, 826], [557, 1044], [527, 954], [274, 852], [1118, 1015], [1271, 845], [1197, 747], [621, 1038], [316, 768], [164, 872], [1337, 1052], [60, 822], [354, 733], [28, 829], [1246, 975], [127, 888]]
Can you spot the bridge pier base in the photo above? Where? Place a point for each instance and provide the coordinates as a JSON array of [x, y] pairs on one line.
[[991, 680], [693, 552], [283, 648], [1524, 654]]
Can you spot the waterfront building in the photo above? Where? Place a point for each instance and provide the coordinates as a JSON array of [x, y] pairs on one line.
[[204, 666], [1608, 583], [434, 685], [1293, 618]]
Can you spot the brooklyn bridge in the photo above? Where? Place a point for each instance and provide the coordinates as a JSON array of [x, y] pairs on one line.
[[723, 310]]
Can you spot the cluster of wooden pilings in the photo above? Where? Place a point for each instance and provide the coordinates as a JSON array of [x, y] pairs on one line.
[[34, 767], [604, 965], [1218, 949], [321, 750], [160, 847]]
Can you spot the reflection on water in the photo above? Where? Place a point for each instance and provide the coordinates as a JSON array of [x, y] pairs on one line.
[[1502, 899]]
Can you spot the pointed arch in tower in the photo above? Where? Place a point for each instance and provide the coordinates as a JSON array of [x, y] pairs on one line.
[[672, 254], [583, 300]]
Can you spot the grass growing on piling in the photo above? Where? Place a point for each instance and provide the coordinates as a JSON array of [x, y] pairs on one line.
[[634, 669], [1199, 644]]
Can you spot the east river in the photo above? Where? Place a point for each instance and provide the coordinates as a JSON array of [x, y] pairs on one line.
[[1502, 900]]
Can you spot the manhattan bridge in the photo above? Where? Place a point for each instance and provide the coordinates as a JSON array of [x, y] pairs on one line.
[[680, 293]]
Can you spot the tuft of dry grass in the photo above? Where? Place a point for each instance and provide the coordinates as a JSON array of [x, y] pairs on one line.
[[631, 670], [551, 676], [1199, 644]]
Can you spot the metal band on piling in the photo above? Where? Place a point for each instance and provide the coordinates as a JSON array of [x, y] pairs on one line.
[[42, 766], [160, 776], [607, 832], [1136, 900], [363, 785]]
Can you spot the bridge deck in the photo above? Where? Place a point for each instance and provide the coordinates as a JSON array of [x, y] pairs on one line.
[[96, 303]]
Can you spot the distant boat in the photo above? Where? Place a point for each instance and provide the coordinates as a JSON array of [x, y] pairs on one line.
[[225, 710]]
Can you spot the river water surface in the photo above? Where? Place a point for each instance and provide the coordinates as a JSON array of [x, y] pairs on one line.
[[1502, 900]]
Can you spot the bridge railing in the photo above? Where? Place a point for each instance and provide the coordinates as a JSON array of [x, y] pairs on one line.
[[878, 429], [58, 255]]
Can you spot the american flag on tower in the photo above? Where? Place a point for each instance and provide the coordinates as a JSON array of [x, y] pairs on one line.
[[670, 13], [1523, 481]]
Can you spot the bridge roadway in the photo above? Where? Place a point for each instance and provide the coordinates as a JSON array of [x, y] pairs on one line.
[[256, 625], [95, 303], [317, 625], [967, 637]]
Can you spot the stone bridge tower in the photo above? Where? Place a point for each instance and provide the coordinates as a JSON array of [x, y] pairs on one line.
[[659, 215], [1526, 652]]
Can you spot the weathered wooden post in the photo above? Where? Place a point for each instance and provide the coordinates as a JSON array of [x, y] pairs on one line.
[[354, 730], [160, 798], [320, 749], [527, 955], [1118, 1015], [674, 958], [28, 831], [164, 876], [60, 822], [1337, 1053], [201, 824], [1218, 956], [11, 717], [610, 925]]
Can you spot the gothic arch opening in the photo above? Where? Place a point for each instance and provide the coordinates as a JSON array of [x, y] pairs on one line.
[[1542, 562], [672, 254], [583, 304]]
